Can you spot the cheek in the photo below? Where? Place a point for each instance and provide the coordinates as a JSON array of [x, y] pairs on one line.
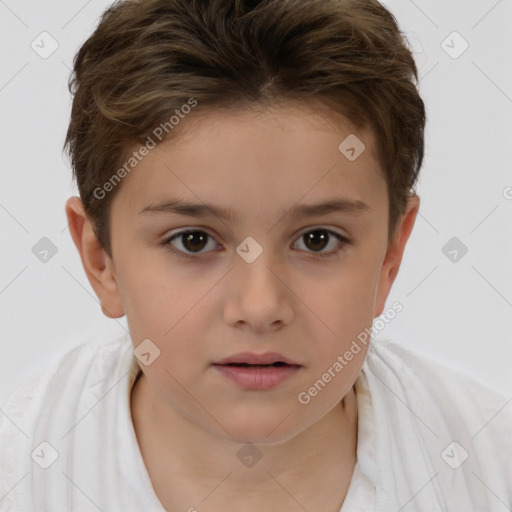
[[153, 295], [343, 303], [168, 306]]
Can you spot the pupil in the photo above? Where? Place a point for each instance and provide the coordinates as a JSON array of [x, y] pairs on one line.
[[314, 237], [190, 239]]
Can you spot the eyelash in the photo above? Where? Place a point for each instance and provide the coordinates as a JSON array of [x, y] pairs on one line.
[[342, 239]]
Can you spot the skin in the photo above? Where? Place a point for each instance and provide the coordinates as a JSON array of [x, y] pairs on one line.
[[190, 421]]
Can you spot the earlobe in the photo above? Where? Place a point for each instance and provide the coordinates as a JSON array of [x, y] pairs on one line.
[[97, 264], [394, 254]]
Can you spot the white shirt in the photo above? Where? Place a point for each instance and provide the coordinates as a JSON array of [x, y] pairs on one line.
[[67, 441]]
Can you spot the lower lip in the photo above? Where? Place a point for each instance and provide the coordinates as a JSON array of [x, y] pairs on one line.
[[261, 378]]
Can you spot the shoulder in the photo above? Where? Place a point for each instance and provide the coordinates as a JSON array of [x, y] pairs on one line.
[[87, 359], [45, 405], [454, 390], [435, 422], [386, 356]]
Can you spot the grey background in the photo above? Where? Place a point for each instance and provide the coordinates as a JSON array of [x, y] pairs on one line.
[[457, 311]]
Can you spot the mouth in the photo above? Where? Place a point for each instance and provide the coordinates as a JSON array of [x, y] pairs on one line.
[[257, 377], [251, 359], [247, 365]]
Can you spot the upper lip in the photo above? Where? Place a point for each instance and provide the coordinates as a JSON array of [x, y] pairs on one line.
[[251, 358]]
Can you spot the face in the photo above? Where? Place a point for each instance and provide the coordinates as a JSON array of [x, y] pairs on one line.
[[262, 273]]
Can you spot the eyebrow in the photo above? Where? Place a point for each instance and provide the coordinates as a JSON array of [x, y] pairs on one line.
[[180, 207]]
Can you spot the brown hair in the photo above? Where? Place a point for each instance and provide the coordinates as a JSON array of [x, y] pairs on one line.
[[149, 59]]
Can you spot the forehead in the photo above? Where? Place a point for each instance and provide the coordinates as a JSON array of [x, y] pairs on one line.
[[289, 119], [257, 158]]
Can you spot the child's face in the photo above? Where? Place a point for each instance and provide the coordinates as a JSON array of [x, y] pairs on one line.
[[201, 308]]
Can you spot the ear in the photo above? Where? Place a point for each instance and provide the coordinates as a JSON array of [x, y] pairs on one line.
[[394, 254], [98, 266]]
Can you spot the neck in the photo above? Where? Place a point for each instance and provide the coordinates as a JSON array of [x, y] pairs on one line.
[[184, 460]]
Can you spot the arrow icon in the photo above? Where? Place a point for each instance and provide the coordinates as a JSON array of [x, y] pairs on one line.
[[247, 252], [44, 455], [146, 352], [454, 249], [351, 147]]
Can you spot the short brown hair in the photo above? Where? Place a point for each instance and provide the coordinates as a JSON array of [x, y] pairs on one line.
[[148, 58]]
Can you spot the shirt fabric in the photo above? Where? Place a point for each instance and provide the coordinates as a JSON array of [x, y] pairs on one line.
[[429, 438]]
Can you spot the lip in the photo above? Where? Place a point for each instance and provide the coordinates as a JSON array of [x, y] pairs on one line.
[[258, 378], [252, 358]]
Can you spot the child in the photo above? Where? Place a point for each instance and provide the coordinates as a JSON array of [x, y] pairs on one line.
[[285, 138]]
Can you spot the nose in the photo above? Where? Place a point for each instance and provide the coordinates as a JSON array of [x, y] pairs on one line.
[[259, 297]]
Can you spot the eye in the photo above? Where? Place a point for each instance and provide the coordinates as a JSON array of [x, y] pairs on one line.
[[194, 241], [318, 238]]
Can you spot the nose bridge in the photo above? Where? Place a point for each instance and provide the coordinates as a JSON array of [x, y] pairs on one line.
[[259, 296], [256, 265]]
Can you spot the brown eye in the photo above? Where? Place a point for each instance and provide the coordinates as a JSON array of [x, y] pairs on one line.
[[195, 242], [192, 241], [316, 240]]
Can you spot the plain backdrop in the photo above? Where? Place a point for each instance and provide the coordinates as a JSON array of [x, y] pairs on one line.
[[455, 283]]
